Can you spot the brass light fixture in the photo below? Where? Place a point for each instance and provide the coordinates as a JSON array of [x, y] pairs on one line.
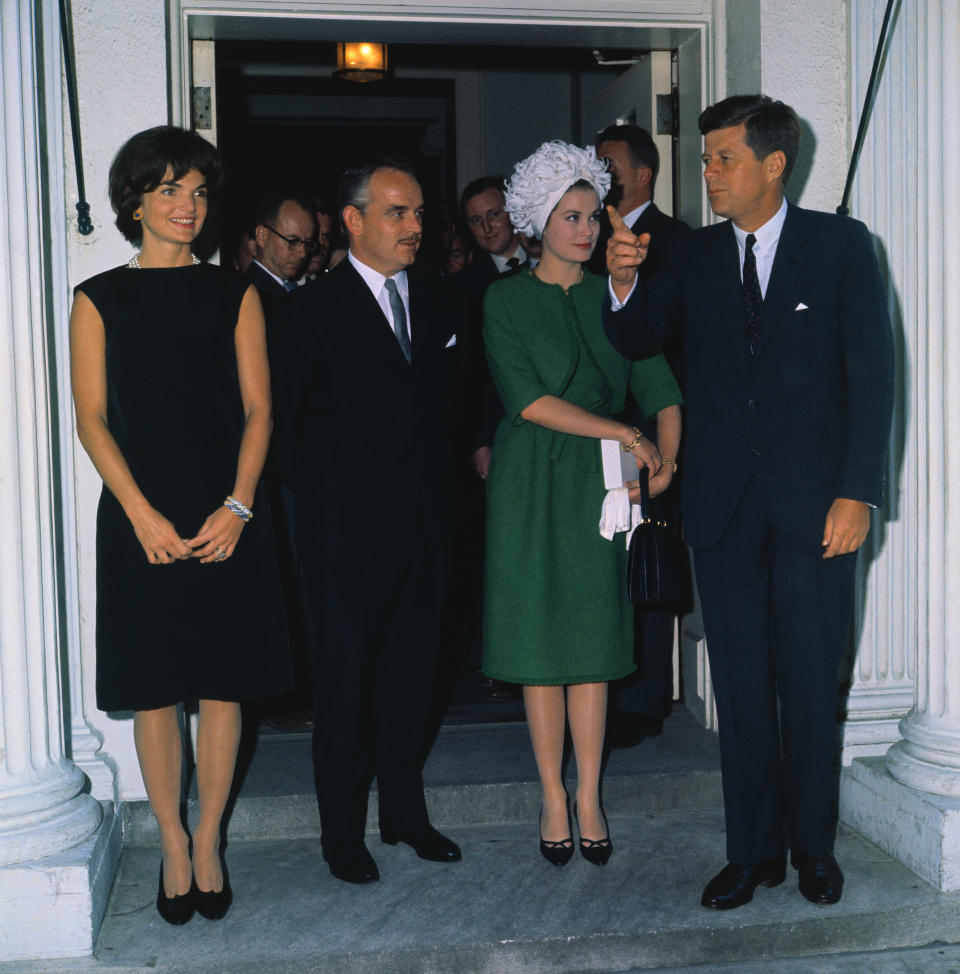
[[361, 61]]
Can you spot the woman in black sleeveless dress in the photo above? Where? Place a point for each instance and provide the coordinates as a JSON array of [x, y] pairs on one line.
[[172, 394]]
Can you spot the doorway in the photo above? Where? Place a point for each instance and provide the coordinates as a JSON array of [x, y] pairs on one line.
[[463, 62]]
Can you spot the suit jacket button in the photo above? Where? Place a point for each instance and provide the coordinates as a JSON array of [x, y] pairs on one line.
[[755, 453], [751, 404]]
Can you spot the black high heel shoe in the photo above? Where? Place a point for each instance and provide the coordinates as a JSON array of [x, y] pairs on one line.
[[597, 851], [212, 904], [557, 853], [177, 910]]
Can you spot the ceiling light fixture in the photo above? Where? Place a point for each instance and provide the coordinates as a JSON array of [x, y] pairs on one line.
[[361, 61]]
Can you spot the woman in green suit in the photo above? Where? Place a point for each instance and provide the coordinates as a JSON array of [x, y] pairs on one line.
[[557, 618]]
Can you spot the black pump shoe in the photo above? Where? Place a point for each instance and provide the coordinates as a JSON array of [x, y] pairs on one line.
[[597, 851], [177, 910], [556, 853], [214, 905]]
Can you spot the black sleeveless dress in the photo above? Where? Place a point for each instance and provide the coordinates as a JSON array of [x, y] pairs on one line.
[[167, 633]]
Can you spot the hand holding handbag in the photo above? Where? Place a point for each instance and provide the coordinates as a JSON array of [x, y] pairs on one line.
[[654, 574]]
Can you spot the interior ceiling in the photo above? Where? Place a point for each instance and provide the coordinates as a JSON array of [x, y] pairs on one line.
[[255, 57], [456, 33]]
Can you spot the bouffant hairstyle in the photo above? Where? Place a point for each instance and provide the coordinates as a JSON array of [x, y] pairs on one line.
[[770, 125], [142, 162]]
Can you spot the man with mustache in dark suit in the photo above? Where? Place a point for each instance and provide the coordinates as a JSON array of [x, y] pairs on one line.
[[369, 427]]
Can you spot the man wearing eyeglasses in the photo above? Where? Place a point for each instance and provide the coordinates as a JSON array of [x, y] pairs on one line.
[[284, 237], [285, 234]]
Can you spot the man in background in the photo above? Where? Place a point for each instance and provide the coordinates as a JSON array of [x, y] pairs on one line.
[[640, 703]]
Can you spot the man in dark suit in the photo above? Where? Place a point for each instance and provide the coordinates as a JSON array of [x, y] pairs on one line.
[[639, 704], [371, 427], [788, 362], [498, 254], [284, 235], [634, 162]]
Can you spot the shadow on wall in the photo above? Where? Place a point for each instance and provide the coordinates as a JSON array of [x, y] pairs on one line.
[[804, 164]]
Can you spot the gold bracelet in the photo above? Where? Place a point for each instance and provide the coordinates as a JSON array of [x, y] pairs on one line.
[[672, 462], [630, 447]]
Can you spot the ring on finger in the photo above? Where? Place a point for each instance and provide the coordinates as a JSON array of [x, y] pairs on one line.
[[221, 554]]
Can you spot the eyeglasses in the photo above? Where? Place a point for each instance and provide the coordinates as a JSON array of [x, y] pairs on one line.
[[294, 243]]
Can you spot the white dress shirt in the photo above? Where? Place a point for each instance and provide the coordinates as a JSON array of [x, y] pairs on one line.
[[765, 249], [375, 281], [631, 218], [502, 263]]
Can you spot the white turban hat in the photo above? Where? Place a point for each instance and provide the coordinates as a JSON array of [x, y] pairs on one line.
[[540, 181]]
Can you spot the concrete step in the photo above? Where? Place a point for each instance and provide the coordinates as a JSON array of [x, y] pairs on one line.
[[476, 775], [504, 910]]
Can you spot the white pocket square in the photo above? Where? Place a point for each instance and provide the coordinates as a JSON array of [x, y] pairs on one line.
[[801, 307], [452, 342]]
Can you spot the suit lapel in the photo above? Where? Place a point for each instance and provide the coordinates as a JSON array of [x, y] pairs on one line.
[[366, 319], [781, 293], [725, 279]]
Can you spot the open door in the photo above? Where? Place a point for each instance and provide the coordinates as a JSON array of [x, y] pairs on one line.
[[644, 95]]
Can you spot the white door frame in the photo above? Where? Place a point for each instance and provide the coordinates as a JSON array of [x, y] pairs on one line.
[[694, 27]]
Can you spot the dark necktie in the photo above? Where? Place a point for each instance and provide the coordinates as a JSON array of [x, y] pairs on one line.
[[514, 264], [752, 295], [399, 317], [289, 286]]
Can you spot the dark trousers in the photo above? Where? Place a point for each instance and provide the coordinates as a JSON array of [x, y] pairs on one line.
[[776, 617], [377, 617]]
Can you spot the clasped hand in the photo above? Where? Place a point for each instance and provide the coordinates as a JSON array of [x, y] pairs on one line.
[[214, 542], [660, 474]]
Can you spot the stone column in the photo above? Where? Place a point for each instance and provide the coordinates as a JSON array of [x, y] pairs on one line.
[[909, 802], [50, 853]]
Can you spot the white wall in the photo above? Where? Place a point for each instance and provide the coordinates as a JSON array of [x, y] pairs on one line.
[[122, 83]]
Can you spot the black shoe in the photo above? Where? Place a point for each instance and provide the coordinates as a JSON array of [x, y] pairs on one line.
[[734, 885], [821, 880], [211, 904], [425, 841], [628, 730], [557, 853], [597, 851], [352, 863], [177, 910]]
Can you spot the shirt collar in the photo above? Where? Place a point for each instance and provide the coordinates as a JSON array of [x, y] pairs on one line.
[[631, 218], [279, 280], [768, 236], [375, 280], [501, 262]]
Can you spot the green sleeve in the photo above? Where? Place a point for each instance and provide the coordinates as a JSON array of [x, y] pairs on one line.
[[513, 370], [653, 385]]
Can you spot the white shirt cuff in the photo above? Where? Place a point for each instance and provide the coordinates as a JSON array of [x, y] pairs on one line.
[[615, 303]]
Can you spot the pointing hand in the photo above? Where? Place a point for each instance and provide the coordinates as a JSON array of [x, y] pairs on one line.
[[625, 252]]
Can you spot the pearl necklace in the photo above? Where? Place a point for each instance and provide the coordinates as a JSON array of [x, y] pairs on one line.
[[134, 261]]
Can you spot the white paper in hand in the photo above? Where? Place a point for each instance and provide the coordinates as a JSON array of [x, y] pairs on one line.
[[618, 467]]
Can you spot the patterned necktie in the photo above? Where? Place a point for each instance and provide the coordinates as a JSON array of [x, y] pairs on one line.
[[289, 286], [399, 317], [752, 295]]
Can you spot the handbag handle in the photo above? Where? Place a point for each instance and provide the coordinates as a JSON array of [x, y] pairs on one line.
[[643, 476]]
